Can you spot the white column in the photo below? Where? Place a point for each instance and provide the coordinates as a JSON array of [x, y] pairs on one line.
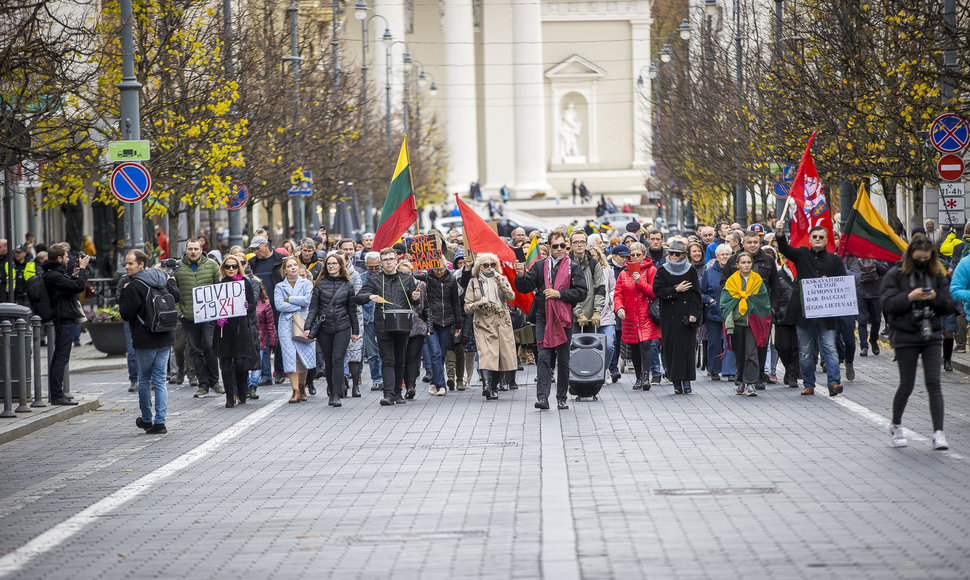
[[393, 11], [497, 98], [530, 110], [461, 110], [642, 107]]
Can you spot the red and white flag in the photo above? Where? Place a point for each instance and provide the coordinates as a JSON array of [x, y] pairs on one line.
[[810, 207]]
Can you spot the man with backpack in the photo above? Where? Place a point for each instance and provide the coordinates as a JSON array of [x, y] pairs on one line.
[[62, 289], [147, 303], [868, 273]]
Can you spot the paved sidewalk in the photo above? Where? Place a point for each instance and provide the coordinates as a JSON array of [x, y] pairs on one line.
[[710, 485]]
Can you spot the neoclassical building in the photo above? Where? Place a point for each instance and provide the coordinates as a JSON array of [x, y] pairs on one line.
[[529, 94]]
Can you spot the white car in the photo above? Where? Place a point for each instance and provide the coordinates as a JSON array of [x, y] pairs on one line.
[[619, 220]]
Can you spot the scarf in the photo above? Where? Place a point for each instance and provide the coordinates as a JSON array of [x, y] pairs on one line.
[[559, 315], [678, 268], [751, 301], [490, 290]]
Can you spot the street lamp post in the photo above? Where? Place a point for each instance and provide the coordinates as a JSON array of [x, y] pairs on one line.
[[740, 196], [295, 59], [130, 122], [235, 216]]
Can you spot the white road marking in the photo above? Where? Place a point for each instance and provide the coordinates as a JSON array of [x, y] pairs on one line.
[[878, 419], [559, 558], [16, 560]]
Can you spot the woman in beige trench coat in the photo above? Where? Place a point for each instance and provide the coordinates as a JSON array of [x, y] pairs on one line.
[[485, 298]]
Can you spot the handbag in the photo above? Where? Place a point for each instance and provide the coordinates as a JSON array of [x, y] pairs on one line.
[[654, 311], [398, 319], [298, 322], [315, 328]]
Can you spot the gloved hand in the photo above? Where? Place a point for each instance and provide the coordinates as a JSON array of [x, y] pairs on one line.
[[595, 319], [581, 320], [246, 305], [222, 321]]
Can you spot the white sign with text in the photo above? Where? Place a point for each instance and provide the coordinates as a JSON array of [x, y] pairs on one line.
[[223, 300], [825, 297]]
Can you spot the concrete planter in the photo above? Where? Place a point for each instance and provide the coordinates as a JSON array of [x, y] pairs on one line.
[[108, 337]]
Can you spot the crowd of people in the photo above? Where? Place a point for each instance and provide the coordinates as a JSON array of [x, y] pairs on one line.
[[722, 300]]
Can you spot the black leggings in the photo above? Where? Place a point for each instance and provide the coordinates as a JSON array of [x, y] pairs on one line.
[[641, 354], [413, 361], [906, 359], [334, 348], [235, 377]]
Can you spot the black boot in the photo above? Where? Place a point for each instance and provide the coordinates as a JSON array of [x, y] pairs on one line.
[[309, 384], [253, 394]]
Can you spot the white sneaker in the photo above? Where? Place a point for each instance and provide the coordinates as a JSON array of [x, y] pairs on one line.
[[432, 390], [939, 441], [899, 440]]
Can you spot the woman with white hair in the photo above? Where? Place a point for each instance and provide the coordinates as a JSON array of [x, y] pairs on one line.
[[485, 298]]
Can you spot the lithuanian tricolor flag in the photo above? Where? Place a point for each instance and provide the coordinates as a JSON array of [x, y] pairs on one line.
[[399, 210], [532, 254], [867, 235]]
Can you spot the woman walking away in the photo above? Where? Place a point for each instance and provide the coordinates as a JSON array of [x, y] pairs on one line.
[[631, 299], [677, 289], [487, 293], [292, 298], [417, 336], [746, 311], [233, 341], [915, 297], [332, 321]]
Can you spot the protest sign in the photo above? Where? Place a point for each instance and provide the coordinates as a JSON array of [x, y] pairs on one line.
[[425, 252], [214, 301], [834, 296]]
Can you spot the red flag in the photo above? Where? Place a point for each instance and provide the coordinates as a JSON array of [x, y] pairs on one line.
[[480, 237], [523, 301], [811, 209]]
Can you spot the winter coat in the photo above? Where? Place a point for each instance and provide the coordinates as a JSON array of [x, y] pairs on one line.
[[206, 272], [396, 288], [422, 312], [131, 305], [634, 298], [62, 291], [903, 316], [443, 299], [267, 328], [869, 288], [607, 314], [298, 303], [534, 279], [494, 336], [234, 338], [711, 292], [679, 334], [786, 286], [313, 268], [595, 299], [334, 299], [808, 264]]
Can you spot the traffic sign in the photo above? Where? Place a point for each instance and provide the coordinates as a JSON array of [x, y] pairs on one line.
[[302, 185], [949, 133], [238, 196], [950, 167], [120, 151], [952, 189], [130, 182], [952, 204]]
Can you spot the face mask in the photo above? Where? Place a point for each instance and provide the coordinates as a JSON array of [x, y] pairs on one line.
[[922, 264]]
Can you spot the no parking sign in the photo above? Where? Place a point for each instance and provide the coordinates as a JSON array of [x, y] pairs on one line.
[[130, 182]]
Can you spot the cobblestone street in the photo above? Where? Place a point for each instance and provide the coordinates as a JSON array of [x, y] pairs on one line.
[[638, 484]]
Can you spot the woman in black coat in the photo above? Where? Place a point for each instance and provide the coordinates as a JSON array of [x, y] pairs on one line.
[[332, 320], [915, 297], [679, 298], [233, 340]]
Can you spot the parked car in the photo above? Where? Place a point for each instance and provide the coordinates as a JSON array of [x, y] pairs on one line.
[[619, 220]]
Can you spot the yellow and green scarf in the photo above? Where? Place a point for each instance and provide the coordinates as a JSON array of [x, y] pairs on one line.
[[751, 301]]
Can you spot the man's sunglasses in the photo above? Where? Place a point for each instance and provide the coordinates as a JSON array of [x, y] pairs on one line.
[[558, 246]]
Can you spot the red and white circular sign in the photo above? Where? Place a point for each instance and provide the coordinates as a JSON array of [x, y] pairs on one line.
[[950, 167]]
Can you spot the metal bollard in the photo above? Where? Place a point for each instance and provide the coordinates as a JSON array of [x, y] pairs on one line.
[[5, 328], [49, 329], [35, 323], [20, 342]]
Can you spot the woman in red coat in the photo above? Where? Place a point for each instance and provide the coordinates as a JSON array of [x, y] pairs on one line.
[[631, 300]]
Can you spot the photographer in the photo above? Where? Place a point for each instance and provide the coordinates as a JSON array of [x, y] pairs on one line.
[[63, 285], [915, 296]]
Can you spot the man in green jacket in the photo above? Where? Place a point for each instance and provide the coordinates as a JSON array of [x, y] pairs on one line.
[[196, 269]]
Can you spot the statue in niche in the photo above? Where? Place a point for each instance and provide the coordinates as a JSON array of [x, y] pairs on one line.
[[569, 129]]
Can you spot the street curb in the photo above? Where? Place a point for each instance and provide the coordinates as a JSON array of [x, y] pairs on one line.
[[95, 368], [959, 366], [48, 419]]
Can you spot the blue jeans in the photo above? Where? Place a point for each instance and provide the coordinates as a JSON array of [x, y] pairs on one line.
[[655, 369], [617, 337], [609, 337], [717, 364], [132, 361], [266, 372], [807, 335], [152, 370], [437, 357], [372, 353]]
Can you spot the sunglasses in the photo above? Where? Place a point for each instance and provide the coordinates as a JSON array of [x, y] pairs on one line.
[[488, 265], [818, 237], [232, 267], [558, 246], [635, 254], [675, 253]]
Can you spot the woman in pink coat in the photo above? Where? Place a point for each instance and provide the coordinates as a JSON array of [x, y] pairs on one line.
[[631, 301]]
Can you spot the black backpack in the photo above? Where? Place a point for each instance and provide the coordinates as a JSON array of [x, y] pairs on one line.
[[159, 310], [867, 267], [40, 302]]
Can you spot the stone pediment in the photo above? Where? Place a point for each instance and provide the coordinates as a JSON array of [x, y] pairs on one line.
[[575, 67]]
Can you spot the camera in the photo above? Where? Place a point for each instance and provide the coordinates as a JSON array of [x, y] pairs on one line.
[[924, 315], [92, 260], [171, 264]]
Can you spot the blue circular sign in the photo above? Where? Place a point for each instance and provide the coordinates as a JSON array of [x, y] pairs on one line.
[[239, 195], [949, 133], [130, 182]]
